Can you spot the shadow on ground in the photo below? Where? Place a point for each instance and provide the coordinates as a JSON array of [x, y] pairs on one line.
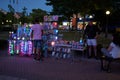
[[3, 44]]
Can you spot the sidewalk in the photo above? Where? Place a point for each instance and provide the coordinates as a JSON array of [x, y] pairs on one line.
[[3, 77], [25, 68]]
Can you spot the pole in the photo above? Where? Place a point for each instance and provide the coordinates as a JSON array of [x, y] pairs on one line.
[[106, 29]]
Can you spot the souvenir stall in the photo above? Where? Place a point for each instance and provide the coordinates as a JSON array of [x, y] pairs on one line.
[[20, 43], [61, 49], [50, 33]]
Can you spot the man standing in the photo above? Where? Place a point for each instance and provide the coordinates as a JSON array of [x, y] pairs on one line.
[[37, 32], [92, 33]]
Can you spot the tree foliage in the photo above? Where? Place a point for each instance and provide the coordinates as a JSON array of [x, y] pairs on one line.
[[2, 17], [38, 13], [11, 9], [96, 7], [66, 7]]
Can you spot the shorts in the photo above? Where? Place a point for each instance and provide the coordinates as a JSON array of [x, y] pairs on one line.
[[91, 42], [37, 44], [106, 53]]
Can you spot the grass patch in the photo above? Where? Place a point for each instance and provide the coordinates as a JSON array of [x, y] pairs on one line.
[[75, 35]]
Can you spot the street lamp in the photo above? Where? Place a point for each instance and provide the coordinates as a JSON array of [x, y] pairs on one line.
[[107, 12], [106, 30]]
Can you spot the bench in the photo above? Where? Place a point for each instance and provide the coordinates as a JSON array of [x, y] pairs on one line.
[[107, 67]]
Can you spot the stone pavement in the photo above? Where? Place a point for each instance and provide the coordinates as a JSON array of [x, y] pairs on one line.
[[3, 77], [26, 68]]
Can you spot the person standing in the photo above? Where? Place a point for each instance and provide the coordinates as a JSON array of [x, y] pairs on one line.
[[37, 32], [92, 32]]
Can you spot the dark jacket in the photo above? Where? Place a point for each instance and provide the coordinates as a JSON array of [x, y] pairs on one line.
[[91, 31]]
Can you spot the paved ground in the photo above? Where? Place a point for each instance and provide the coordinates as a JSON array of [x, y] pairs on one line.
[[25, 68]]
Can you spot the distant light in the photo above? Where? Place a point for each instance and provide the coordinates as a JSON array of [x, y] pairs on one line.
[[107, 12], [54, 24], [14, 41], [18, 38], [80, 18], [6, 20], [94, 22], [14, 37], [30, 25], [20, 22], [90, 16], [10, 21], [2, 22], [10, 32], [23, 38], [52, 43], [56, 31], [56, 37], [65, 23]]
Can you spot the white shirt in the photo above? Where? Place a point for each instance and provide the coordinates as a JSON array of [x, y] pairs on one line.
[[115, 52]]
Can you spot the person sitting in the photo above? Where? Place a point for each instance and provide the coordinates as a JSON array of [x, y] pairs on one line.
[[113, 51]]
